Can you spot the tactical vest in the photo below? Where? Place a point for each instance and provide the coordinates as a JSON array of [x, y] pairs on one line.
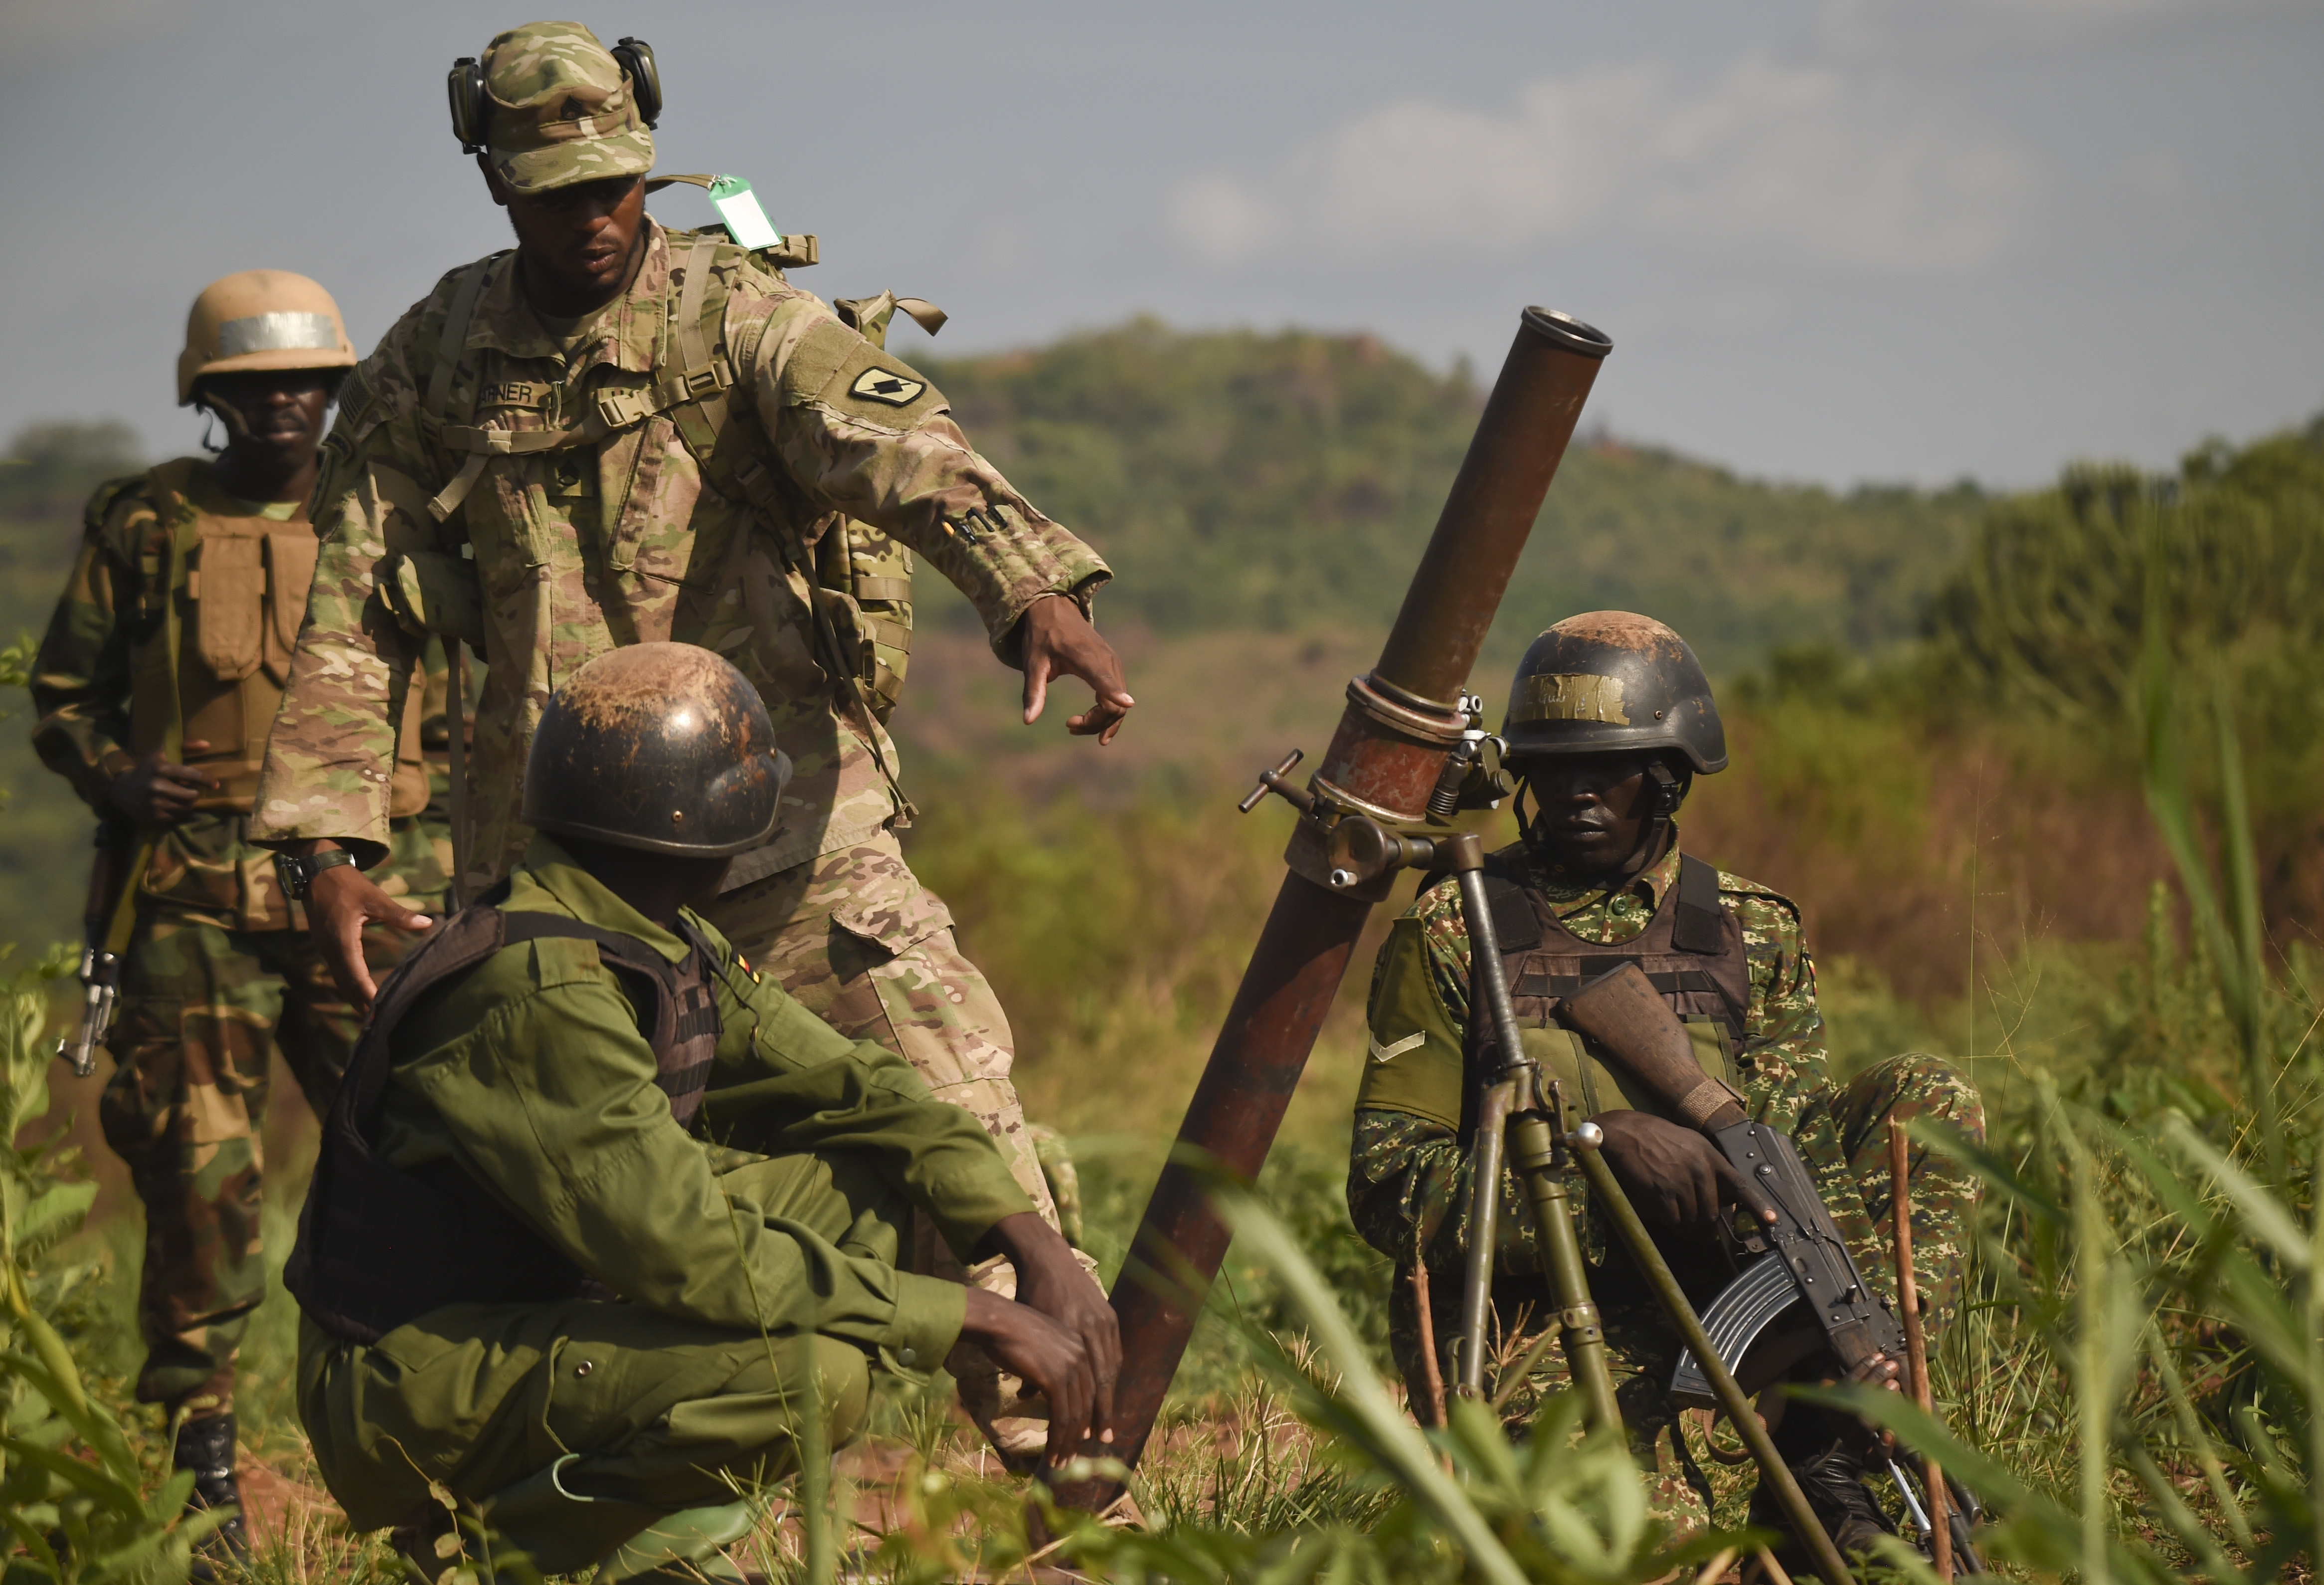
[[1692, 950], [378, 1245], [859, 579], [240, 588]]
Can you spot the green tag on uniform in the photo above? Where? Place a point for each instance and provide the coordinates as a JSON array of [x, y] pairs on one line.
[[746, 222]]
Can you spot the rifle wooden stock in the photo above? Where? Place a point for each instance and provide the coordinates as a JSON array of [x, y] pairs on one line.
[[1800, 1257], [1623, 1013]]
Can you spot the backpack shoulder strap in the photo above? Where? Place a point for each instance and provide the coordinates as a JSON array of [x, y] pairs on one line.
[[624, 954], [454, 339], [1515, 919], [1698, 925], [466, 939], [437, 405]]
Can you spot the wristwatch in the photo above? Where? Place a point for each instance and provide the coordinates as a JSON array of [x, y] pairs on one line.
[[298, 875]]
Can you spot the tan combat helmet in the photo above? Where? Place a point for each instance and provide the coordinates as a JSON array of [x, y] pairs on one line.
[[554, 106], [261, 320]]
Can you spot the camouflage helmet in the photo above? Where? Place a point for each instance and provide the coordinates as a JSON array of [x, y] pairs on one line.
[[261, 320], [661, 746], [1613, 683], [559, 109]]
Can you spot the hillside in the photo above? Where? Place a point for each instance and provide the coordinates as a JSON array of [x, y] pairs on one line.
[[1276, 483], [1287, 481]]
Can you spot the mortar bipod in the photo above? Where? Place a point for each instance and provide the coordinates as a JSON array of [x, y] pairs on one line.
[[1513, 1130]]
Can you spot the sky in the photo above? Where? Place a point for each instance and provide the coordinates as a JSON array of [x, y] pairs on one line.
[[1831, 240]]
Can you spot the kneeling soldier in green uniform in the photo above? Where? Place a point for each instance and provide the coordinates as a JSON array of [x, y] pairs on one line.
[[606, 1224], [1610, 719]]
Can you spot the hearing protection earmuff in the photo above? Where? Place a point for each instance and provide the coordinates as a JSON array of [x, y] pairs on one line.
[[472, 104], [472, 101], [635, 56]]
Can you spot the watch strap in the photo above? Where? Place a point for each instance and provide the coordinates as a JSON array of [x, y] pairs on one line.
[[298, 875]]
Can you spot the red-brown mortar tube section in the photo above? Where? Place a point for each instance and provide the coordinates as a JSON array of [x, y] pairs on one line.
[[1400, 722]]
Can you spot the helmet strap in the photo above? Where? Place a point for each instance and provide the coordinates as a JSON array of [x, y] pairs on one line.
[[1665, 790], [213, 406]]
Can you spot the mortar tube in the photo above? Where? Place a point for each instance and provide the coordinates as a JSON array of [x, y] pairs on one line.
[[1386, 753]]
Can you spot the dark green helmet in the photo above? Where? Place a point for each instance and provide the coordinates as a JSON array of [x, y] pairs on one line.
[[662, 746], [1613, 683]]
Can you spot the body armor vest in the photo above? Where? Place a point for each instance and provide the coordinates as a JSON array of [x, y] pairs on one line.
[[380, 1246], [1692, 950], [241, 585], [864, 633]]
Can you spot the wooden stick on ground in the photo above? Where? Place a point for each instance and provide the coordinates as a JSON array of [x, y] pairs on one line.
[[1916, 1345], [1430, 1373]]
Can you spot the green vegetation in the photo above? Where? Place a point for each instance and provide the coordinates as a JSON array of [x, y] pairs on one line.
[[2039, 769]]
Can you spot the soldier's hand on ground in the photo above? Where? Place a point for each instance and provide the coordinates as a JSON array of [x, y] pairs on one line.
[[340, 901], [158, 791], [1674, 1176], [1022, 1341], [1059, 641], [1051, 1280]]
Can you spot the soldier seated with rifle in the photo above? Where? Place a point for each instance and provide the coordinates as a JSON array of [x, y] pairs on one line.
[[1610, 718], [606, 1227]]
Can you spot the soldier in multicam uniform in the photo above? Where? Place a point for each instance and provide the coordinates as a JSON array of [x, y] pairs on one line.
[[159, 675], [618, 433], [1610, 719]]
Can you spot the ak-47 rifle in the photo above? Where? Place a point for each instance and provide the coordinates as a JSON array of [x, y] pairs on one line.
[[1796, 1262], [106, 921]]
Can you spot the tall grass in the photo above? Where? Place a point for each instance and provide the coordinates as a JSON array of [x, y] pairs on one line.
[[2154, 1272]]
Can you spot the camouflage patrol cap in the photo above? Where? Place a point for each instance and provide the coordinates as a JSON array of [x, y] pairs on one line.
[[1613, 683], [563, 110]]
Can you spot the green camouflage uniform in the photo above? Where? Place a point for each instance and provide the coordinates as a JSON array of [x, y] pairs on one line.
[[626, 537], [1408, 1173], [750, 1246], [220, 968]]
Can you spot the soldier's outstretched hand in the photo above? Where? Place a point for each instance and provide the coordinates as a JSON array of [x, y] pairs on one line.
[[157, 792], [340, 901], [1059, 641]]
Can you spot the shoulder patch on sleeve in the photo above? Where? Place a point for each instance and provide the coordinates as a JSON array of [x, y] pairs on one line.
[[866, 382], [886, 386], [1414, 1063]]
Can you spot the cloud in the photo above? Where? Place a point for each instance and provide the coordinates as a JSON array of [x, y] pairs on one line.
[[1789, 164]]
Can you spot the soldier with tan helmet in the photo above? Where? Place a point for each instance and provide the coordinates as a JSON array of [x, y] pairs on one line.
[[155, 686], [620, 432]]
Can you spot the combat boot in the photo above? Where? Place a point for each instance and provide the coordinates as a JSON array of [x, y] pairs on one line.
[[205, 1446], [1833, 1481]]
